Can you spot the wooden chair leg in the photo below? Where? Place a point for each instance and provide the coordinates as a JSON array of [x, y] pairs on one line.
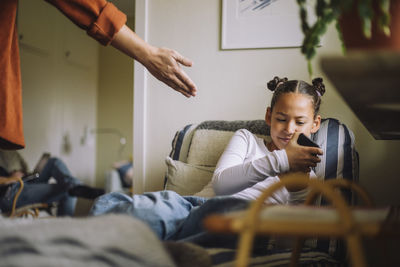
[[245, 247], [355, 250], [298, 245]]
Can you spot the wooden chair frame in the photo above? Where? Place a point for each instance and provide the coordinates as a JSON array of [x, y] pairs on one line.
[[32, 209], [250, 223]]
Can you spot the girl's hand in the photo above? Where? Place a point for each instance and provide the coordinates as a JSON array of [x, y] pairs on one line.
[[302, 158]]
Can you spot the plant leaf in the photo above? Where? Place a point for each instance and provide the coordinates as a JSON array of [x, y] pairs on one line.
[[340, 35], [384, 18], [366, 12], [309, 68]]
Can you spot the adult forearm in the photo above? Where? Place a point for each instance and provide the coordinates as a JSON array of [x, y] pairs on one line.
[[162, 63], [132, 45]]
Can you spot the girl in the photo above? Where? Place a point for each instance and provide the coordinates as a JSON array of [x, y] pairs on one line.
[[247, 166]]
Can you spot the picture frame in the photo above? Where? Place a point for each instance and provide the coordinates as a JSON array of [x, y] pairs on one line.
[[252, 24]]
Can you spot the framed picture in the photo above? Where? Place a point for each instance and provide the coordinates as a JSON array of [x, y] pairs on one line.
[[260, 24]]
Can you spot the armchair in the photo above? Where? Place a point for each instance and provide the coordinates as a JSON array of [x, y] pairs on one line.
[[197, 147]]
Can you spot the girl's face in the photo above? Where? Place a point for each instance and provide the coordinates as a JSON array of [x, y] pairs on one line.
[[292, 113]]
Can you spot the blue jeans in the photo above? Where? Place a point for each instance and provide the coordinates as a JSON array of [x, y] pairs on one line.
[[40, 191], [169, 215]]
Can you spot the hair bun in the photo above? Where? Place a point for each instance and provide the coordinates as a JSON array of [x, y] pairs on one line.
[[275, 82], [319, 86]]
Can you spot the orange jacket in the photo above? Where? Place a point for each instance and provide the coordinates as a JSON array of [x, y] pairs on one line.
[[101, 19]]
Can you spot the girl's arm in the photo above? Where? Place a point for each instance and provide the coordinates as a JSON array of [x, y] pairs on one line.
[[234, 174], [281, 196]]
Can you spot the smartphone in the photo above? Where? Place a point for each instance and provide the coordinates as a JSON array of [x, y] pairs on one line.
[[305, 141]]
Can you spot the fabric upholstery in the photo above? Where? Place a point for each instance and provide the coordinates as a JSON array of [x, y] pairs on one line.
[[186, 179], [203, 144], [196, 144]]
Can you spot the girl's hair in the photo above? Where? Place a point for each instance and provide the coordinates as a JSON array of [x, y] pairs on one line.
[[281, 86]]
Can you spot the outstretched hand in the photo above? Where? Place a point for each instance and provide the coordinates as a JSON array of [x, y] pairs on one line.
[[164, 64], [302, 158]]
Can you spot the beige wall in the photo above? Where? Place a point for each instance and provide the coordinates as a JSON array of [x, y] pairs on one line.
[[59, 79], [232, 86], [114, 108], [66, 98]]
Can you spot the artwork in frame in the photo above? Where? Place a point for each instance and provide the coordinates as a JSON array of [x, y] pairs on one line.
[[260, 24]]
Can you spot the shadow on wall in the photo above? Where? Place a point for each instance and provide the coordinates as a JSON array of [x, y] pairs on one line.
[[379, 166]]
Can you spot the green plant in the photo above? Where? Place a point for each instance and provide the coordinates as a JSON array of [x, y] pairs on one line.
[[328, 11]]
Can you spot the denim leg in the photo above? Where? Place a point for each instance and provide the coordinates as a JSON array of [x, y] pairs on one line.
[[163, 211], [58, 170], [192, 228], [192, 225], [33, 193], [66, 205]]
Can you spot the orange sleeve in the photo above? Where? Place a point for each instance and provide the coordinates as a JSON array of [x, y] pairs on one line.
[[11, 128], [101, 19]]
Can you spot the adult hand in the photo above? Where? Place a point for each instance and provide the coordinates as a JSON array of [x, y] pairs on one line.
[[162, 63], [18, 174], [301, 158]]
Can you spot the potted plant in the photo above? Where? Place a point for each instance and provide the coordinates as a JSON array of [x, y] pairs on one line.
[[368, 12]]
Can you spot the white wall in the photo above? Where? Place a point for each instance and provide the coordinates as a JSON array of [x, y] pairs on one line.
[[114, 109], [232, 86], [59, 79]]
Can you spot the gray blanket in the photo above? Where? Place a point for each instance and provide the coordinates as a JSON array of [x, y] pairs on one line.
[[112, 240]]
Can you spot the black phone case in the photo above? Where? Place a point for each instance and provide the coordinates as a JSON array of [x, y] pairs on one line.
[[305, 141]]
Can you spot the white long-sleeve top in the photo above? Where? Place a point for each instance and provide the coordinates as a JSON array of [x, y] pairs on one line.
[[247, 167]]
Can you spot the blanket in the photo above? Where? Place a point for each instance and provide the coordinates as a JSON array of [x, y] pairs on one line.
[[112, 240]]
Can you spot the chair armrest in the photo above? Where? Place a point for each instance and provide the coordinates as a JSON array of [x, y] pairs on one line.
[[5, 181]]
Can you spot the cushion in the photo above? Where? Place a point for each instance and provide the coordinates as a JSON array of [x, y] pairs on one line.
[[214, 136], [181, 142], [109, 240], [207, 191], [340, 157], [203, 142], [186, 179]]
